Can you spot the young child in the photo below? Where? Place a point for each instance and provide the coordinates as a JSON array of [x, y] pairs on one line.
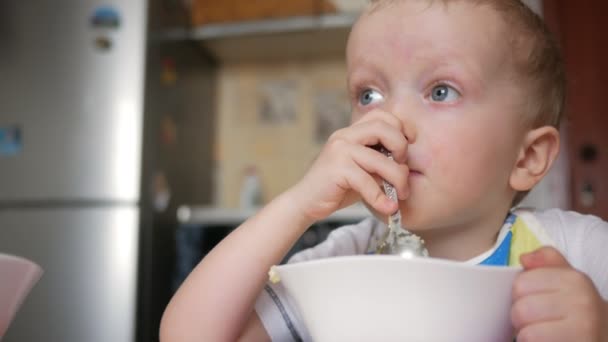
[[467, 95]]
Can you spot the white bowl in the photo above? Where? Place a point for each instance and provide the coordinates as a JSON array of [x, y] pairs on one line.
[[387, 298]]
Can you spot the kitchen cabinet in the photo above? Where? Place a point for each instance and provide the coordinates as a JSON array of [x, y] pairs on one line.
[[577, 25], [244, 31], [210, 11]]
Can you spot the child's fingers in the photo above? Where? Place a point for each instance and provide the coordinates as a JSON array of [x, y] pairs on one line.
[[537, 308], [378, 128], [364, 184], [551, 331], [544, 257], [377, 114], [537, 281], [563, 297], [375, 163], [373, 133]]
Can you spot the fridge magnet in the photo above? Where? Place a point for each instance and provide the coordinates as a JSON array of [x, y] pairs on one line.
[[161, 192], [169, 72], [10, 141], [277, 104], [106, 17], [103, 43], [332, 112], [168, 131]]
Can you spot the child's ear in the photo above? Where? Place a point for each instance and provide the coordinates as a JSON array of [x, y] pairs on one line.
[[538, 152]]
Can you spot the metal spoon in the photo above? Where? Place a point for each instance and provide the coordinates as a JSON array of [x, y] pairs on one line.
[[398, 240]]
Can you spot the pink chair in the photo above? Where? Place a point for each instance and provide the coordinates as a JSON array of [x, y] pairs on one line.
[[17, 277]]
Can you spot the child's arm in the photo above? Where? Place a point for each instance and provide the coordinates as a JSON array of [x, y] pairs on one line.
[[218, 296], [215, 303]]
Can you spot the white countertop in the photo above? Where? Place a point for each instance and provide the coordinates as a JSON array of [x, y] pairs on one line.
[[194, 214]]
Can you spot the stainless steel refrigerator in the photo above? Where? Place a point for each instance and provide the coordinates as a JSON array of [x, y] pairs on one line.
[[71, 98]]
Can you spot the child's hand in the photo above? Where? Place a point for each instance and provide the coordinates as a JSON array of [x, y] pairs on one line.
[[554, 302], [348, 170]]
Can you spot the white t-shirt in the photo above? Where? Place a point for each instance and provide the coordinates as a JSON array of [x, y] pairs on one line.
[[582, 239]]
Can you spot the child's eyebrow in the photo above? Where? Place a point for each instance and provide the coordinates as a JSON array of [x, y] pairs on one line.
[[464, 67], [364, 72]]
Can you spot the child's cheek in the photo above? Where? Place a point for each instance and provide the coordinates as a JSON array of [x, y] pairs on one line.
[[436, 157], [425, 161]]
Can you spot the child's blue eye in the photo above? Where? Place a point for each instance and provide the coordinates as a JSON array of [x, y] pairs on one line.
[[444, 93], [369, 96]]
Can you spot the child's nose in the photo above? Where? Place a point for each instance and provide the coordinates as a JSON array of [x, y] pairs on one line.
[[405, 115]]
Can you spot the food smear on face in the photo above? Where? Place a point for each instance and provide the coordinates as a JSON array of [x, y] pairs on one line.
[[273, 275]]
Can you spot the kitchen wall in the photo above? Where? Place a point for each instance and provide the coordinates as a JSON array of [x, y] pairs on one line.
[[274, 117]]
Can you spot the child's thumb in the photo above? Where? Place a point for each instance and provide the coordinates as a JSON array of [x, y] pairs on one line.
[[543, 257]]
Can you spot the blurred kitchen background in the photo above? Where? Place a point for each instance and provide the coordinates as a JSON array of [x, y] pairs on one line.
[[134, 135]]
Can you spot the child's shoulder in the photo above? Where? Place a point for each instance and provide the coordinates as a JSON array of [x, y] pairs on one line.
[[562, 219], [582, 238]]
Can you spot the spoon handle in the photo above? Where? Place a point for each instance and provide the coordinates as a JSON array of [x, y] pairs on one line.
[[389, 190], [398, 240]]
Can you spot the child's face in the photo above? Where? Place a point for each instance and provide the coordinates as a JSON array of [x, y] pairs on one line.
[[446, 72]]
